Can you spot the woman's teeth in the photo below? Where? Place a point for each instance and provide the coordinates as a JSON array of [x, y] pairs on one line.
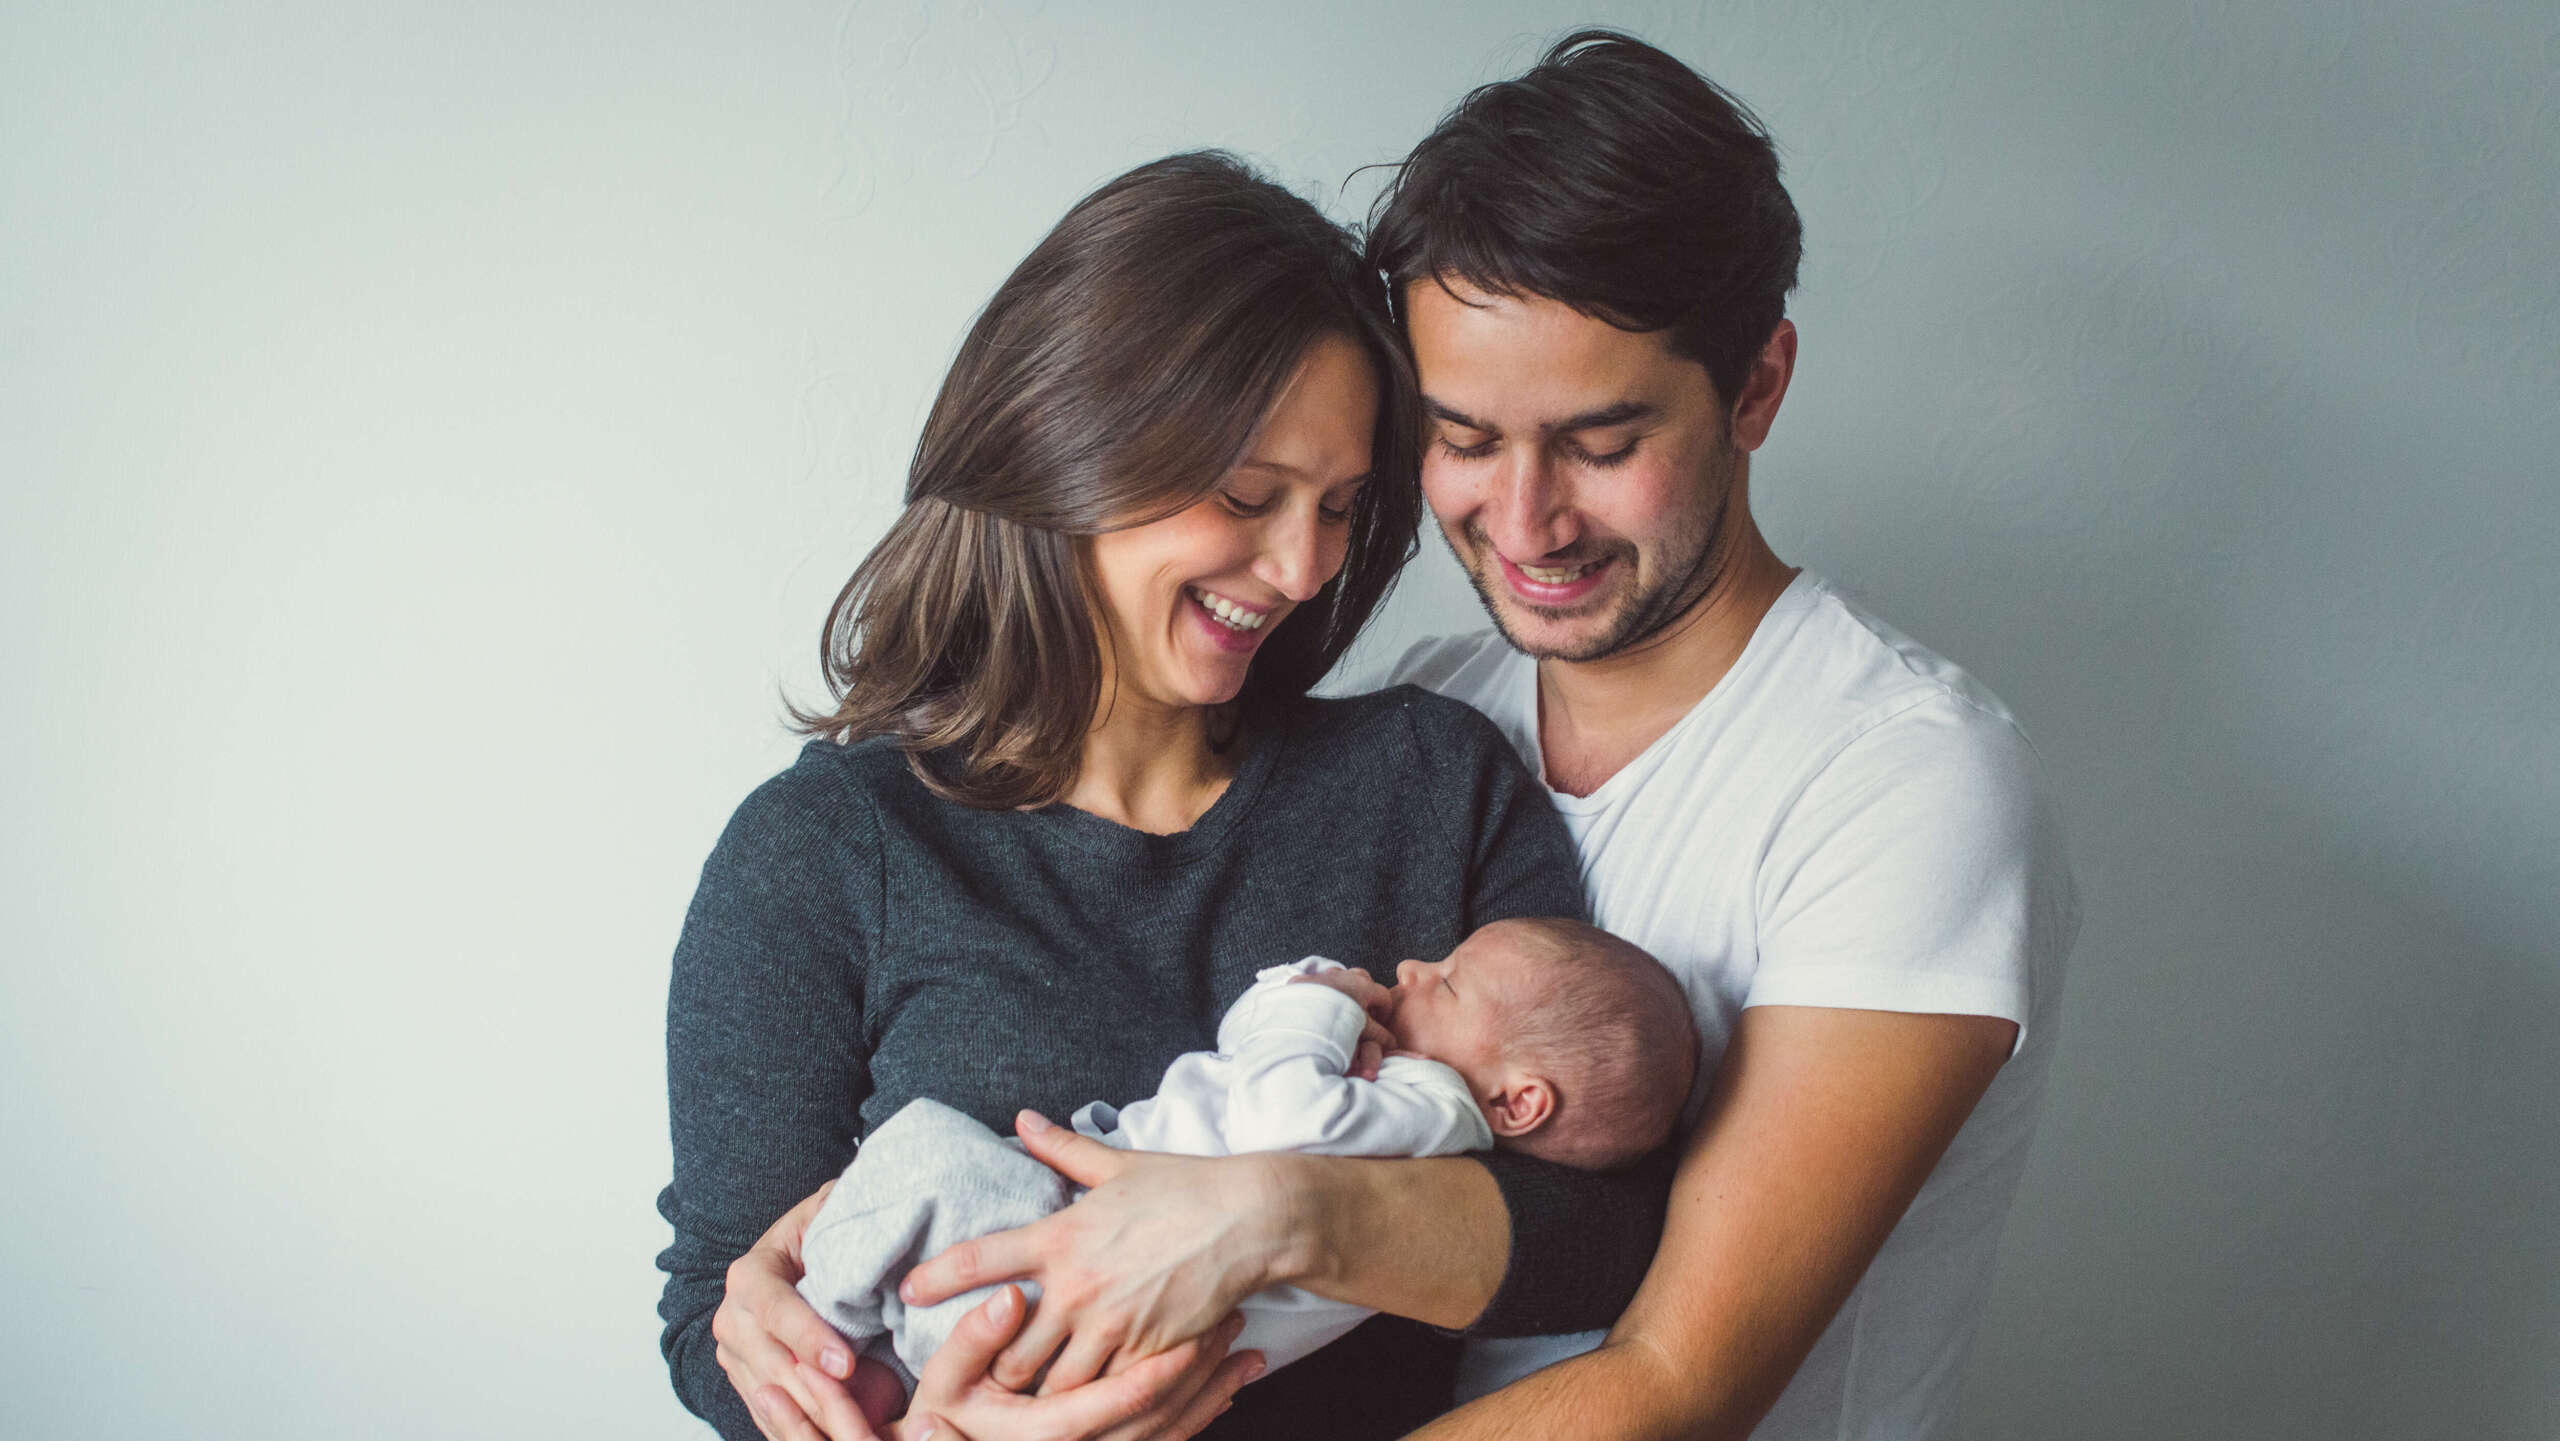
[[1544, 576], [1228, 613]]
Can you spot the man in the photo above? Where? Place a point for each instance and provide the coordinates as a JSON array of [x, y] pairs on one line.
[[1834, 838]]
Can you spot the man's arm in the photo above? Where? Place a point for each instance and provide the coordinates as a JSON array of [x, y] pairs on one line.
[[1821, 1128]]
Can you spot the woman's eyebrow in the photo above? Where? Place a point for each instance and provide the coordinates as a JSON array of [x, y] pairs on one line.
[[1284, 468]]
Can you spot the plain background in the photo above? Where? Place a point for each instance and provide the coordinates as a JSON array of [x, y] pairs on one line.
[[430, 434]]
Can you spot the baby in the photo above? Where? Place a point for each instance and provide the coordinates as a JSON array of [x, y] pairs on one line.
[[1548, 1037]]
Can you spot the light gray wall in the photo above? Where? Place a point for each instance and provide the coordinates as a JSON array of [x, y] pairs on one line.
[[429, 434]]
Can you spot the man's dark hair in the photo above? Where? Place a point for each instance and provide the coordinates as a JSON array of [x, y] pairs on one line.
[[1616, 180]]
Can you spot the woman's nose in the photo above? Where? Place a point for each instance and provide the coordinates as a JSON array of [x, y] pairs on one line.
[[1295, 559]]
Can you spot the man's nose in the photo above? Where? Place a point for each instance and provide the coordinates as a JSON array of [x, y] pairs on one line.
[[1531, 514]]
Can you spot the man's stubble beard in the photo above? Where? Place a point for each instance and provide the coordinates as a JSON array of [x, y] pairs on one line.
[[1692, 561]]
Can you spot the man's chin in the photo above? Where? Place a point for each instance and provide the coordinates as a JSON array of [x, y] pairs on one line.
[[1585, 632]]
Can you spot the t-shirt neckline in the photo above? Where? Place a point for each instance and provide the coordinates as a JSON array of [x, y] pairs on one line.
[[1766, 637]]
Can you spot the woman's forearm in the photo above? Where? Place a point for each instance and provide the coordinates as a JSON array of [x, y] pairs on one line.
[[1426, 1239]]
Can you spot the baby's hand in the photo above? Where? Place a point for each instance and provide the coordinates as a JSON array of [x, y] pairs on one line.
[[1369, 996], [1359, 985]]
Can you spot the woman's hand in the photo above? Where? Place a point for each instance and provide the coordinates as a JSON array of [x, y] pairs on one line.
[[1166, 1397], [800, 1381], [1159, 1252]]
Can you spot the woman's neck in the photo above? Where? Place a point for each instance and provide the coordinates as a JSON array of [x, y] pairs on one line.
[[1152, 768]]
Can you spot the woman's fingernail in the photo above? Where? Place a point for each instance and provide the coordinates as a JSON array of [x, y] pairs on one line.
[[1035, 1123], [836, 1363], [924, 1430]]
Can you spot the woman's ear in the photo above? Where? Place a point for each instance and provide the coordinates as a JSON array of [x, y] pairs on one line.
[[1522, 1105]]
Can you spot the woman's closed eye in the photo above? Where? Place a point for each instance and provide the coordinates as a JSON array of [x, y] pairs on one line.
[[1249, 509]]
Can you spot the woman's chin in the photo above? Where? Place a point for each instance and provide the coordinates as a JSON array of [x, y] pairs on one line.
[[1220, 690]]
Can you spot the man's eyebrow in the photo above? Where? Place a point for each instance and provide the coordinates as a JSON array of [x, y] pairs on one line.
[[1452, 414], [1618, 414]]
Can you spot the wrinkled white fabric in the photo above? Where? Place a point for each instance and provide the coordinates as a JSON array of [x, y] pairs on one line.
[[931, 1177]]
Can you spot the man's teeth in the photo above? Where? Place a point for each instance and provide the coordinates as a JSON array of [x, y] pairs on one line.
[[1229, 614], [1544, 576]]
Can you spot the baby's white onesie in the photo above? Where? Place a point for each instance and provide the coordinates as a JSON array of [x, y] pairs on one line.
[[930, 1177]]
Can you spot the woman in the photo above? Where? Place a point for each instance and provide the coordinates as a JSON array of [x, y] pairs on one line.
[[1073, 794]]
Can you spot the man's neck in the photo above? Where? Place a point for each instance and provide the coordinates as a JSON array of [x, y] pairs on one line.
[[1596, 716]]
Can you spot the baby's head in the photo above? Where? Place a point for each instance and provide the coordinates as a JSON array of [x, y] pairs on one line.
[[1576, 1043]]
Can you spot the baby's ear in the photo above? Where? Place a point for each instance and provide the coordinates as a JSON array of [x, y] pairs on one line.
[[1522, 1105]]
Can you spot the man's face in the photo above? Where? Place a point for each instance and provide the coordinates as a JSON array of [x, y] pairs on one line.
[[1579, 471]]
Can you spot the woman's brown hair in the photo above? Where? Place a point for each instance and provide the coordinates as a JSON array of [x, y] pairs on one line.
[[1115, 377]]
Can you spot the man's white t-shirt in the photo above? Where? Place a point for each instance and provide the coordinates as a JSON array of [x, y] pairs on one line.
[[1848, 820]]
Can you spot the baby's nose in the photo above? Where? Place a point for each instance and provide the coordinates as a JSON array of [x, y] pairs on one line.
[[1405, 970]]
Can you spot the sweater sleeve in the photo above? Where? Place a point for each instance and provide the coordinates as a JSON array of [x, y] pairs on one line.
[[765, 1058], [1581, 1241]]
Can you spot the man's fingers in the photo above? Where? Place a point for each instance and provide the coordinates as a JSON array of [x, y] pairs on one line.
[[1031, 1350], [973, 1345], [1188, 1413], [1214, 1398], [1100, 1405], [1079, 1158], [1088, 1351]]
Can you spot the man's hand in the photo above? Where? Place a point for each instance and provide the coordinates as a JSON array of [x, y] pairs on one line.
[[1158, 1252]]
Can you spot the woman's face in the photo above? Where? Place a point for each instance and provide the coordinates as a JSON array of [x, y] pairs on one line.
[[1188, 599]]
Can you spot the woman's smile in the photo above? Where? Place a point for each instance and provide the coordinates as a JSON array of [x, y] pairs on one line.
[[1230, 625], [1212, 581]]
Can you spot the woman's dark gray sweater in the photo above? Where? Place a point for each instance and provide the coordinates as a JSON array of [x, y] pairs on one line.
[[858, 942]]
